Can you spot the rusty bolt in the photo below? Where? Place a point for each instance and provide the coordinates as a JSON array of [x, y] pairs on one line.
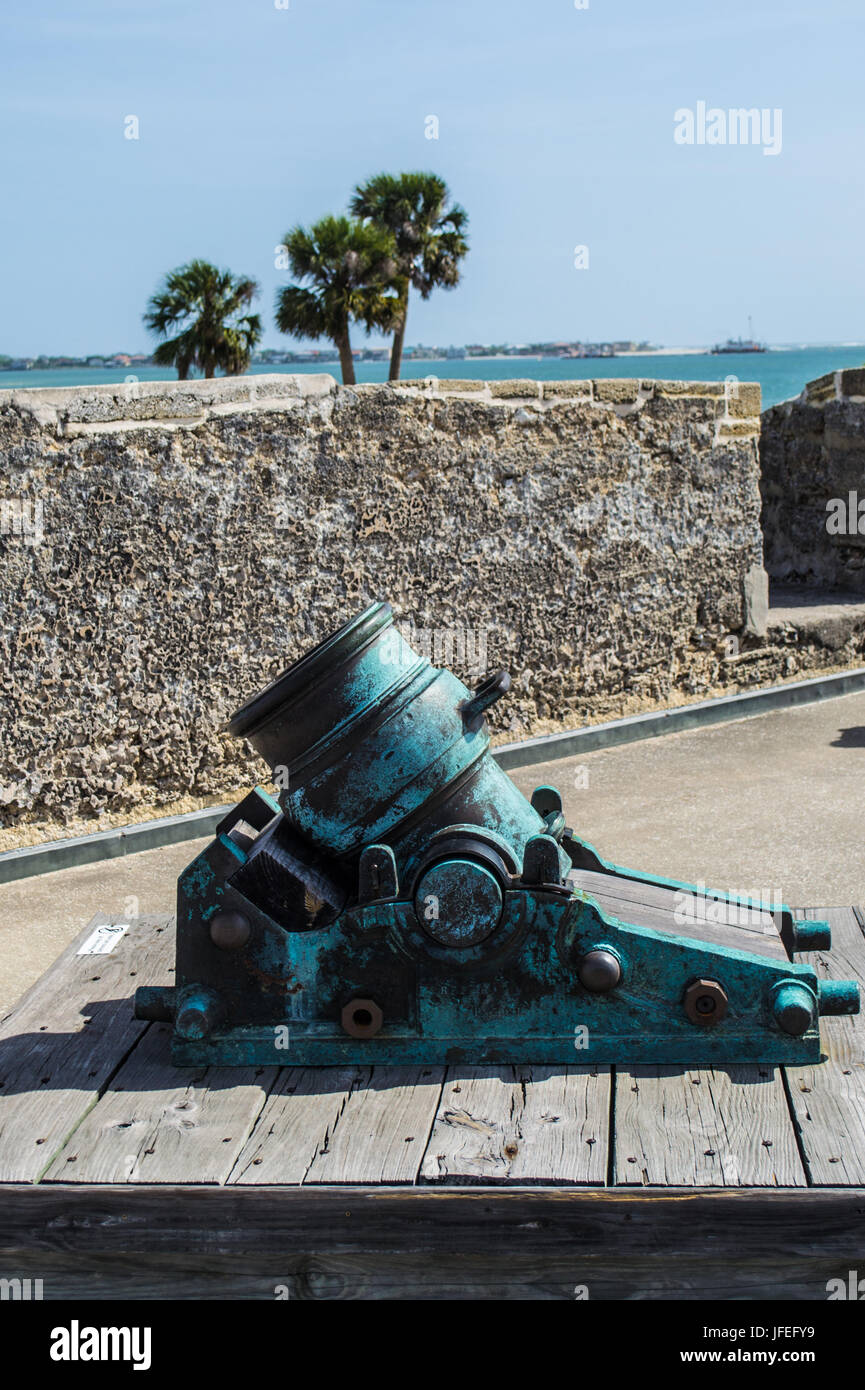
[[705, 1002], [362, 1018]]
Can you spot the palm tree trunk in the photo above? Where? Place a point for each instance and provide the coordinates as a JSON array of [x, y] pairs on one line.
[[398, 340], [346, 361]]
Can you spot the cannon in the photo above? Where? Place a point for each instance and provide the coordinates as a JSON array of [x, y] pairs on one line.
[[401, 901]]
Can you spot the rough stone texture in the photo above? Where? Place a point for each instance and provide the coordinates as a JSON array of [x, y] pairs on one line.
[[812, 449], [691, 388], [832, 621], [552, 390], [531, 390], [198, 536], [801, 639], [624, 391], [744, 401]]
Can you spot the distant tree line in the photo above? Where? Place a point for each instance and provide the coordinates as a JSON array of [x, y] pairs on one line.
[[402, 233]]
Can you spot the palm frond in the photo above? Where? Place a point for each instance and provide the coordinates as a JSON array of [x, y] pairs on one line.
[[204, 302]]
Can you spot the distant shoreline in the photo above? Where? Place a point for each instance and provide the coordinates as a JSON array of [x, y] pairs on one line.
[[478, 357], [326, 362]]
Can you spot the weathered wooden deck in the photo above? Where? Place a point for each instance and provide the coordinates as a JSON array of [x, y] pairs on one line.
[[122, 1176]]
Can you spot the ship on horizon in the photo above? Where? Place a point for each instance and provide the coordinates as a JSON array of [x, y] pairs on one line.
[[748, 344]]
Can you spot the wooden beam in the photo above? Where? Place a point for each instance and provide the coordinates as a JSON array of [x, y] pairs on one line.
[[375, 1242]]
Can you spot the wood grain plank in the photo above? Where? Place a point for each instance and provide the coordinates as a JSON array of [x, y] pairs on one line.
[[158, 1123], [828, 1099], [489, 1273], [721, 1127], [60, 1045], [382, 1132], [650, 905], [521, 1124], [429, 1242], [296, 1123]]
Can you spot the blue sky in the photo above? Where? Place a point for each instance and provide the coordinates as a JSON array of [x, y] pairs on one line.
[[555, 130]]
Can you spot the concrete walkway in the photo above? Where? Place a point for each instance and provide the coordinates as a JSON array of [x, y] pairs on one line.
[[774, 804]]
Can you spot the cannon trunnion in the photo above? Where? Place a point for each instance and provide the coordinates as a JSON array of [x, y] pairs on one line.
[[402, 902]]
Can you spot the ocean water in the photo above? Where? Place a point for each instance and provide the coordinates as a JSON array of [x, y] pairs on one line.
[[781, 372]]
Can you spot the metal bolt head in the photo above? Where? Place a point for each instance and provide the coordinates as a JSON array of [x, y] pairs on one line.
[[599, 971], [199, 1010], [192, 1022], [795, 1008], [362, 1018], [705, 1002], [229, 930]]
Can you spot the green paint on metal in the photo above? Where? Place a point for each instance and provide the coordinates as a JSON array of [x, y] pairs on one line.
[[395, 868]]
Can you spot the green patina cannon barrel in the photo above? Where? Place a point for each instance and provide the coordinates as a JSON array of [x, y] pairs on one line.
[[375, 745]]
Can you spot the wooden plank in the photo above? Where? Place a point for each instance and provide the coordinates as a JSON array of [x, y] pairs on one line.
[[828, 1099], [650, 905], [163, 1124], [521, 1124], [382, 1133], [363, 1242], [489, 1273], [721, 1127], [60, 1045], [296, 1123]]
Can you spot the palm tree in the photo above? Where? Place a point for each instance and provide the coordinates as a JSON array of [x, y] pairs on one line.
[[351, 268], [204, 304], [429, 236]]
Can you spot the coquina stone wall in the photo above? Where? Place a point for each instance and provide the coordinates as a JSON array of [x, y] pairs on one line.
[[167, 548], [813, 479]]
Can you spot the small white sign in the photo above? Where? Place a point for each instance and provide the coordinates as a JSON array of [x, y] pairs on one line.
[[102, 941]]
